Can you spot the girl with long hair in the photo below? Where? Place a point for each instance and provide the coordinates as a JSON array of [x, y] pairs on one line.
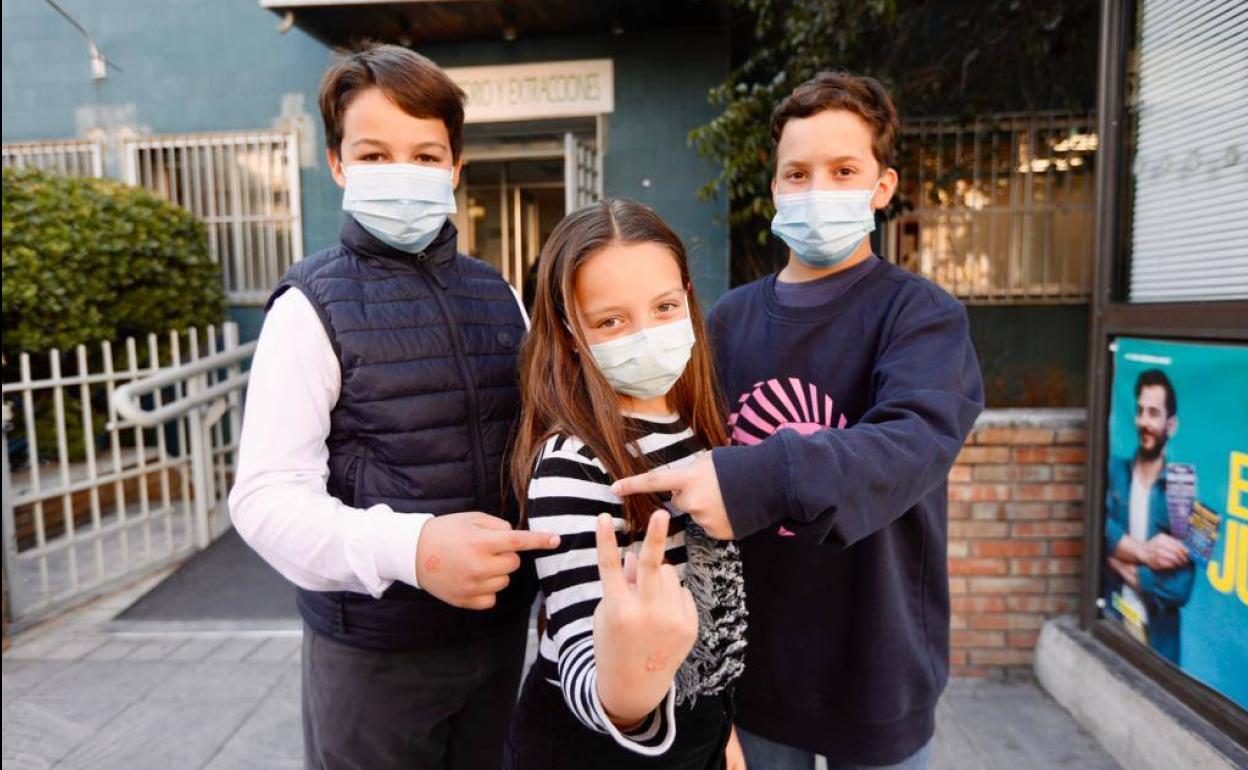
[[638, 655]]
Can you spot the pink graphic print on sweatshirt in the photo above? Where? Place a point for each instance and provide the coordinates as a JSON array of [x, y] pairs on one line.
[[778, 405]]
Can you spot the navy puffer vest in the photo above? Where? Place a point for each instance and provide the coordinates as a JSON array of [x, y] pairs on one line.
[[427, 344]]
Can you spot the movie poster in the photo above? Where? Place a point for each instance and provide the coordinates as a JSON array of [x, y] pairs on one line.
[[1176, 506]]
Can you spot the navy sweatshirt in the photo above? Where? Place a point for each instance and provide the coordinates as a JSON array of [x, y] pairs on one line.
[[842, 514]]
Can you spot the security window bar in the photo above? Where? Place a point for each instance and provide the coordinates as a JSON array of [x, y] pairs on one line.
[[244, 186], [1001, 210]]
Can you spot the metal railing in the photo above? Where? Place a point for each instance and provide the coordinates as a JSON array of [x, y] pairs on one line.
[[1002, 209], [72, 157], [136, 471]]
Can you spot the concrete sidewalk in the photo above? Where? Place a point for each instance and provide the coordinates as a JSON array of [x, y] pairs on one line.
[[76, 695]]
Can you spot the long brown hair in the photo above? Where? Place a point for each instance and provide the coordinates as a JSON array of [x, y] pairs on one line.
[[563, 395]]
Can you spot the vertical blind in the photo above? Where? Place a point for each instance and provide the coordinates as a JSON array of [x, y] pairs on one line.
[[1190, 220]]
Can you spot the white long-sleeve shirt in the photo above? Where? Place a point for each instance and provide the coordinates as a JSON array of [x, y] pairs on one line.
[[280, 504]]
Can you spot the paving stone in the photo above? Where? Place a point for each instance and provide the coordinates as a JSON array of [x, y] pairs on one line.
[[276, 650], [271, 737], [219, 679], [76, 647], [122, 679], [22, 675], [196, 648], [236, 648], [149, 735], [157, 649], [49, 728], [114, 649]]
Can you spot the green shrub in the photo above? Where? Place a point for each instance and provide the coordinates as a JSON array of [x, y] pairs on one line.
[[88, 260]]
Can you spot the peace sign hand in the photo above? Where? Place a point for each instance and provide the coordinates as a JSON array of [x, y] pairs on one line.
[[644, 627]]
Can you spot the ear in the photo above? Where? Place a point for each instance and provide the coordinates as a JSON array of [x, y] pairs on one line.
[[885, 189], [1172, 427], [335, 167], [458, 167], [773, 189]]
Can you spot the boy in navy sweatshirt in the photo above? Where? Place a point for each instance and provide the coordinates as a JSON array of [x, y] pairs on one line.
[[852, 385]]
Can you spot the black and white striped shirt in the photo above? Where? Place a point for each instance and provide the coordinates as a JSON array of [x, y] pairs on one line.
[[569, 489]]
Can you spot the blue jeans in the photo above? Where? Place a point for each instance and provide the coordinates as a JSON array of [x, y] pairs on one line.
[[762, 754]]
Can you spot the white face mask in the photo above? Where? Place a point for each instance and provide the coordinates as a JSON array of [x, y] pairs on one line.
[[647, 364], [402, 204], [824, 227]]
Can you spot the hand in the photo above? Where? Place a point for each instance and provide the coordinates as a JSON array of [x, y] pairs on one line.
[[734, 757], [695, 491], [464, 559], [644, 626], [1128, 572], [1164, 552]]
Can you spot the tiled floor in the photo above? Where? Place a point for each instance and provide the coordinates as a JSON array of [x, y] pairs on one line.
[[76, 695]]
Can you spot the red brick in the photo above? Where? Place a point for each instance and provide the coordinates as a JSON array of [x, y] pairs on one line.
[[977, 603], [1028, 511], [1001, 657], [957, 585], [1050, 529], [1023, 639], [960, 473], [1068, 472], [976, 455], [957, 657], [1071, 436], [986, 511], [1009, 548], [1066, 547], [1044, 566], [977, 638], [1035, 472], [959, 510], [1006, 621], [977, 529], [960, 566], [957, 548], [958, 621], [998, 472], [1071, 509], [1042, 605], [979, 492], [1007, 585], [1047, 492], [1050, 455], [1014, 436], [975, 672], [1066, 585]]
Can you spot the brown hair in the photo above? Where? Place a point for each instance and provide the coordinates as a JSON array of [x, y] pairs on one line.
[[416, 84], [863, 96], [564, 394]]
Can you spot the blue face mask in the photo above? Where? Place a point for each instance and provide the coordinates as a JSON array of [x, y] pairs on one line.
[[402, 204], [824, 227], [648, 363]]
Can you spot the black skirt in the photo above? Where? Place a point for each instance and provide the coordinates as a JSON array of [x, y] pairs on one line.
[[544, 735]]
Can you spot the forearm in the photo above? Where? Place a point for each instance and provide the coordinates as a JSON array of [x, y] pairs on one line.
[[320, 544], [1130, 550]]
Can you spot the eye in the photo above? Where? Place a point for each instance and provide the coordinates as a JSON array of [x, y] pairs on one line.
[[428, 159], [373, 157], [669, 306], [609, 323], [845, 171], [796, 175]]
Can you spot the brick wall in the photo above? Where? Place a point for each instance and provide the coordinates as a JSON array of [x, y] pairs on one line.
[[1015, 535]]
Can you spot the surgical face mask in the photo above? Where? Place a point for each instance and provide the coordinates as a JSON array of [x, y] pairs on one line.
[[647, 364], [402, 204], [824, 227]]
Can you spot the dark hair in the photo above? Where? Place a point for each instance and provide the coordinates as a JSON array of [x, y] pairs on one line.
[[863, 96], [1158, 377], [562, 395], [416, 84]]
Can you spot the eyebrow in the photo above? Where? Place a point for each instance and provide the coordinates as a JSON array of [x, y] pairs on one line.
[[830, 161], [378, 143], [617, 308]]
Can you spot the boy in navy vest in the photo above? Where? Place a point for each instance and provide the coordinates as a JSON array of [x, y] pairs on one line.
[[852, 385], [382, 396]]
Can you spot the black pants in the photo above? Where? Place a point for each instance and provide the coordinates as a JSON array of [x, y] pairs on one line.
[[545, 735], [441, 709]]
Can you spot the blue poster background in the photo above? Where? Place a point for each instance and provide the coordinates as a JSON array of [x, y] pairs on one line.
[[1211, 386]]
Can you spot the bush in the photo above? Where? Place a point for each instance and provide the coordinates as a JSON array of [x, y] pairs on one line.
[[88, 260]]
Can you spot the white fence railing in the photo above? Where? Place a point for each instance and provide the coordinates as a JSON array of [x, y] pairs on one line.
[[116, 462], [72, 157]]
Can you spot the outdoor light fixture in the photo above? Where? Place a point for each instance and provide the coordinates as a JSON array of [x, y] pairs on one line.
[[99, 65]]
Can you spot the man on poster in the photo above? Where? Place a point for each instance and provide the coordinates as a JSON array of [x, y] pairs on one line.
[[1150, 572]]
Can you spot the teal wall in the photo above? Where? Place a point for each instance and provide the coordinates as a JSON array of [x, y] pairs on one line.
[[1032, 355], [217, 65], [661, 82]]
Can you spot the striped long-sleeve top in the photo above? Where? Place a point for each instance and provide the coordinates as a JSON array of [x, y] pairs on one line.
[[569, 489]]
